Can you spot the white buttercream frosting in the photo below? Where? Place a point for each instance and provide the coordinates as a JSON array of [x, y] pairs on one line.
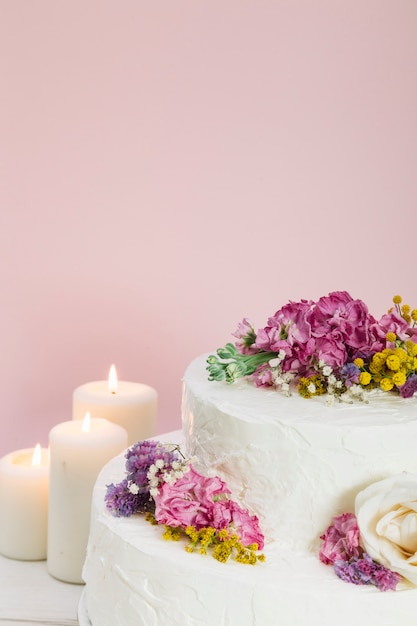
[[292, 461]]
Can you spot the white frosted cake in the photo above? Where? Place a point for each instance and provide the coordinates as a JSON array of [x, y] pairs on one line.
[[331, 479], [293, 462]]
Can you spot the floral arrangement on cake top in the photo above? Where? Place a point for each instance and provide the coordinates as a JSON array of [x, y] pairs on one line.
[[378, 544], [333, 346], [161, 483]]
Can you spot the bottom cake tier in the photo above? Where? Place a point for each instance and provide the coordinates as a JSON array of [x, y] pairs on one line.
[[135, 578]]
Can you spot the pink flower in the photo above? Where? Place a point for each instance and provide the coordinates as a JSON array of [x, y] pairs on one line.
[[188, 501], [390, 322], [289, 326], [350, 318], [331, 350], [341, 540], [263, 376], [246, 526], [245, 335], [228, 514], [196, 500]]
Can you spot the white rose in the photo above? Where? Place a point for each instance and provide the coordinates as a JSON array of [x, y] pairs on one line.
[[386, 512]]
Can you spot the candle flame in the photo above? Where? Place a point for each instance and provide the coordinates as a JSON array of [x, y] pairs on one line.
[[37, 456], [113, 380], [86, 425]]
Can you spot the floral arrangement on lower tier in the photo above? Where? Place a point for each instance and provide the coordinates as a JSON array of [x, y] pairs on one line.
[[378, 544], [333, 346], [161, 483]]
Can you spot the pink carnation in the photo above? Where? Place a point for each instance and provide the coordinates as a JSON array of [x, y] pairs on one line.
[[348, 317], [197, 500], [189, 500]]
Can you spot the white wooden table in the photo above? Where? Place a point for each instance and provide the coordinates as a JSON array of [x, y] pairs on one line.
[[29, 596]]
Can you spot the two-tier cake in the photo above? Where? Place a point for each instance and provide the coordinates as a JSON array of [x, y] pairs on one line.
[[315, 441]]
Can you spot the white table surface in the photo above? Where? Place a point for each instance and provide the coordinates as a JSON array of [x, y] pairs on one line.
[[29, 596]]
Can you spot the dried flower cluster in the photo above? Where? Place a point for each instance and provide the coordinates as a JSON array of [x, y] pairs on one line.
[[333, 346]]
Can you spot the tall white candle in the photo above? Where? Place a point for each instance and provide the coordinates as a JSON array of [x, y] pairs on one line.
[[131, 405], [78, 451], [24, 504]]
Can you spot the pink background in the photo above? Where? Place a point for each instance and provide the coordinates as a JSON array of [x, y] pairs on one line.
[[167, 168]]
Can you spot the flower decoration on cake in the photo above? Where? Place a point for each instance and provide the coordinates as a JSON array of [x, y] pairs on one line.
[[161, 483], [378, 544], [332, 346]]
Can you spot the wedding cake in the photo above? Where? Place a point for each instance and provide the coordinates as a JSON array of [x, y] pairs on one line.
[[297, 454]]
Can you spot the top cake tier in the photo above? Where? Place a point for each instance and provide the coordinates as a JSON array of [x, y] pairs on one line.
[[292, 461]]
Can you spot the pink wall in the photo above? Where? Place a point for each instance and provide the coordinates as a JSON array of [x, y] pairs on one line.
[[169, 167]]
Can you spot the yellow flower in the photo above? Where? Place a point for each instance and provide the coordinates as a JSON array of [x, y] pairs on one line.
[[414, 315], [365, 378], [376, 365], [359, 362], [386, 384], [390, 336], [411, 347], [397, 299], [393, 362], [401, 354], [399, 378], [378, 359], [406, 308]]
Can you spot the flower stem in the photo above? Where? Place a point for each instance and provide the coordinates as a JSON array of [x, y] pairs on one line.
[[229, 364]]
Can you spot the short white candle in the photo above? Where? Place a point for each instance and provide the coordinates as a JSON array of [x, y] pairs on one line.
[[24, 478], [131, 405], [78, 451]]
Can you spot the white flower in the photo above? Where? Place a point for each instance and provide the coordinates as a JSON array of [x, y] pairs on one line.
[[274, 362], [159, 463], [327, 370], [387, 518], [311, 388], [285, 388], [153, 492], [133, 488], [332, 380]]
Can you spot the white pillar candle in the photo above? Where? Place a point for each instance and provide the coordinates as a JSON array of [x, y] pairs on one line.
[[78, 451], [131, 405], [24, 478]]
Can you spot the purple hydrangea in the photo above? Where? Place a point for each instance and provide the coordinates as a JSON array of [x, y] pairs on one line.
[[365, 571]]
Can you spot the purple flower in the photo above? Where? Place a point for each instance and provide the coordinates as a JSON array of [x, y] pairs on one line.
[[410, 387], [141, 456], [366, 571], [122, 503], [350, 374]]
